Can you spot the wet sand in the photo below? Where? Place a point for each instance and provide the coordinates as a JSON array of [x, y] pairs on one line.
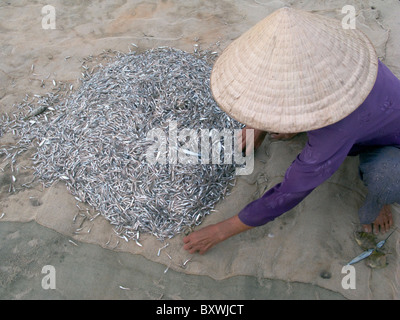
[[88, 271]]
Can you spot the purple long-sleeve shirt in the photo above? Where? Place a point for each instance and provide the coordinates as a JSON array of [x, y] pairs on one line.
[[375, 122]]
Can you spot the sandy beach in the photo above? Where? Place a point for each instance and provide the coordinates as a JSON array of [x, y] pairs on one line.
[[300, 255]]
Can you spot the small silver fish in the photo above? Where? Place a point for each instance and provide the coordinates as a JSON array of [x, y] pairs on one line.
[[380, 244], [138, 243], [36, 112], [362, 256], [74, 243], [124, 288]]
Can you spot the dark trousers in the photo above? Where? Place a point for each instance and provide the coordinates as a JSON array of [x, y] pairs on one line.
[[380, 172]]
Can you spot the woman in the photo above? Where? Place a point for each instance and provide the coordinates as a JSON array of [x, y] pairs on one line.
[[300, 72]]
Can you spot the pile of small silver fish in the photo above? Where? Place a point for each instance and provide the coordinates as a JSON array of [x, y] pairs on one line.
[[94, 139]]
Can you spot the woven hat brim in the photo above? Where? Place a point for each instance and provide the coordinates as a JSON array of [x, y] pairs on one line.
[[294, 71]]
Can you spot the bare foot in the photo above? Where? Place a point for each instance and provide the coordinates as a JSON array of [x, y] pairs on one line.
[[382, 223]]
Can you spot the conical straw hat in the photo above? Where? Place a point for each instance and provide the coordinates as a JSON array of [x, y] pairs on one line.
[[294, 71]]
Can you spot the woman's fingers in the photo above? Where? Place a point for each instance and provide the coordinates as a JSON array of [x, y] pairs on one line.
[[244, 145], [201, 241], [250, 145]]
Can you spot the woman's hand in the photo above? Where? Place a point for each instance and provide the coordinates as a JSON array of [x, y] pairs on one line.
[[204, 239], [254, 144], [259, 137]]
